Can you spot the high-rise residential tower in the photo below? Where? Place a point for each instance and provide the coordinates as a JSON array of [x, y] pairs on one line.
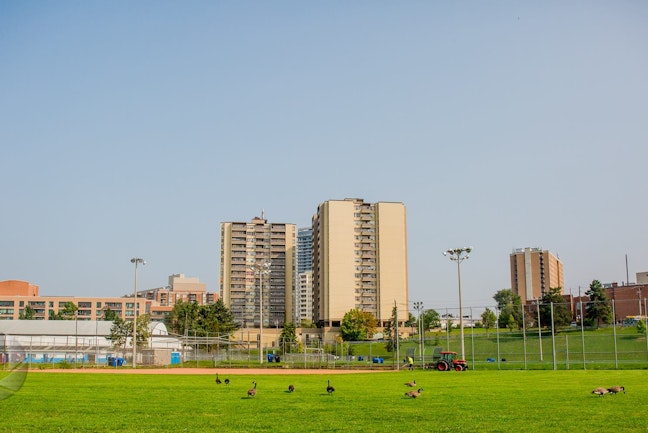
[[359, 260], [304, 249], [304, 292], [246, 247], [534, 272]]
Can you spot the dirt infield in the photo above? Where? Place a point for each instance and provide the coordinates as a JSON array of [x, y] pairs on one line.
[[254, 371]]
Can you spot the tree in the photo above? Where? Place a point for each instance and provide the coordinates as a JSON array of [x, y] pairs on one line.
[[143, 332], [217, 318], [512, 324], [28, 314], [641, 327], [411, 320], [110, 315], [390, 334], [288, 336], [189, 318], [430, 319], [183, 317], [561, 313], [509, 304], [120, 331], [488, 319], [67, 313], [598, 309], [358, 325]]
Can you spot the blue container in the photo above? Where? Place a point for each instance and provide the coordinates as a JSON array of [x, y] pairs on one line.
[[115, 362], [270, 357], [360, 358], [175, 358]]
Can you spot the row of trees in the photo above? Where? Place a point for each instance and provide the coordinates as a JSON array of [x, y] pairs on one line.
[[190, 318], [597, 311], [361, 325]]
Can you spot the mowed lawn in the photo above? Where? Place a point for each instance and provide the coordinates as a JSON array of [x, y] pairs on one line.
[[472, 401]]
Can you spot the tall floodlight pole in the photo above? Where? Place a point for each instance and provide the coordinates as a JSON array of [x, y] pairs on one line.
[[136, 261], [261, 269], [418, 306], [459, 255]]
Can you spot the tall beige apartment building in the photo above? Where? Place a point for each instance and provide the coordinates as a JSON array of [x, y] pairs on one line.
[[534, 272], [359, 260], [245, 248]]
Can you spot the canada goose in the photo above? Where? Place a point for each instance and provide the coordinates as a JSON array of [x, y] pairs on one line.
[[252, 391], [616, 389], [291, 388], [414, 394], [600, 391], [329, 388], [412, 383]]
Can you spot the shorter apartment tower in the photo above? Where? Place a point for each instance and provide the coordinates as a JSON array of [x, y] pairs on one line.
[[534, 271], [247, 285], [180, 288]]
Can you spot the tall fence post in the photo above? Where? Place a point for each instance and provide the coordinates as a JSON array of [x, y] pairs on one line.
[[553, 337], [524, 341], [646, 323], [472, 336], [582, 317], [497, 335], [616, 357], [539, 329]]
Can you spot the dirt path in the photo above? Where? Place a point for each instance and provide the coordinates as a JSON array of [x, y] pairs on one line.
[[254, 371]]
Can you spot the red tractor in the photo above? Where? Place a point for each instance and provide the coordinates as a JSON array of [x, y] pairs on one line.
[[450, 360]]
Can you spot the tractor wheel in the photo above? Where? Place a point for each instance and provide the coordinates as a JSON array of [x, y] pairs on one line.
[[459, 367], [442, 366]]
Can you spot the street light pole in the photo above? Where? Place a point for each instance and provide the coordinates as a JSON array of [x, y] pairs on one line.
[[136, 261], [261, 269], [459, 255]]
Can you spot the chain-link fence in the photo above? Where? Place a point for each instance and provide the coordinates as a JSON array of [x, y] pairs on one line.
[[613, 339]]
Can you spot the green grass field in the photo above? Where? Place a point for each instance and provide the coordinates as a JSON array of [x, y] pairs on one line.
[[472, 401]]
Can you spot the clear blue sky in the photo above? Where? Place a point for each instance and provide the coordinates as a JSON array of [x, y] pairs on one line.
[[135, 128]]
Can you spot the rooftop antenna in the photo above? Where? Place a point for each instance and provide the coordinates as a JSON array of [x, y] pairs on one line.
[[262, 212]]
